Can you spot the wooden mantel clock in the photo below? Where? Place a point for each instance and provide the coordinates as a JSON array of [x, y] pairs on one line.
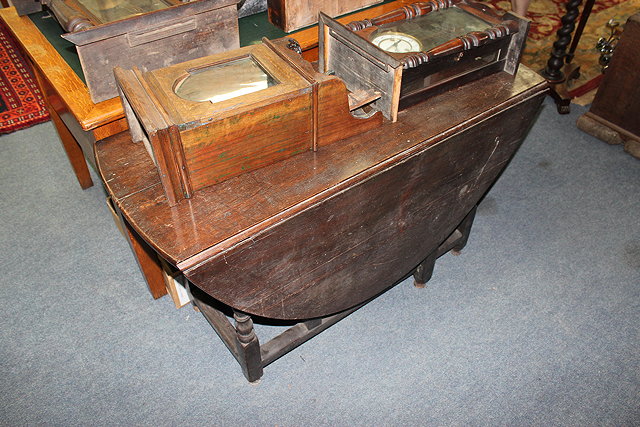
[[420, 49]]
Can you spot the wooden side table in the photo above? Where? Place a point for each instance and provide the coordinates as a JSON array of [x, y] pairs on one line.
[[79, 122]]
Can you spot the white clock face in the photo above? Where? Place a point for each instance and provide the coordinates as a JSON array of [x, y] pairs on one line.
[[396, 43]]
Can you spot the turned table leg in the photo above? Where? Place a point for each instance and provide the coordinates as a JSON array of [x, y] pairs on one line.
[[559, 70], [248, 347]]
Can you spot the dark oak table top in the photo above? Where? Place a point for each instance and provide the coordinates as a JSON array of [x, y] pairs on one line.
[[221, 216]]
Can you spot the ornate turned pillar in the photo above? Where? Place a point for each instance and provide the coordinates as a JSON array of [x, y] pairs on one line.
[[559, 70]]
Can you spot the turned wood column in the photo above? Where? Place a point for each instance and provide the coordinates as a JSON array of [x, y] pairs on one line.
[[559, 70], [553, 71]]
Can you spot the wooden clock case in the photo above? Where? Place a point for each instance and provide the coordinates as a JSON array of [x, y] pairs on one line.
[[198, 144], [178, 32], [406, 78], [291, 15]]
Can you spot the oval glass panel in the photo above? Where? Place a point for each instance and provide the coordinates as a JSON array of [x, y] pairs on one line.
[[224, 81]]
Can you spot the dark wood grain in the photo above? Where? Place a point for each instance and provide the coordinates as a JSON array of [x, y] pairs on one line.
[[291, 15], [354, 245]]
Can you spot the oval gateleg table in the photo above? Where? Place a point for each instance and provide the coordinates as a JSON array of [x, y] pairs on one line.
[[310, 239]]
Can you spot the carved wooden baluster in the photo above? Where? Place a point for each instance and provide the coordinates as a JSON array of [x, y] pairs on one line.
[[409, 11], [460, 44], [248, 347], [553, 71], [70, 19]]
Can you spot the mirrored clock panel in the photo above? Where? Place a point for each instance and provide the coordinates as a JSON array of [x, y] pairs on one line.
[[224, 81]]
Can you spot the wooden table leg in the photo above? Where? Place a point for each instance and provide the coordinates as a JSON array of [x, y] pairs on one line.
[[69, 143], [248, 347], [147, 259], [73, 150], [465, 229], [424, 271], [454, 243], [242, 341]]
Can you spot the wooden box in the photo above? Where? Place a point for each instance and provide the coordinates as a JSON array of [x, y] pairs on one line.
[[614, 115], [291, 15], [210, 119], [148, 34], [421, 49]]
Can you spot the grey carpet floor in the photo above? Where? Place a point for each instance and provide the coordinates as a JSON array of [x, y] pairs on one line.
[[536, 323]]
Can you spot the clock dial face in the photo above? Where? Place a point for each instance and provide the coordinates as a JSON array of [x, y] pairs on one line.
[[396, 42]]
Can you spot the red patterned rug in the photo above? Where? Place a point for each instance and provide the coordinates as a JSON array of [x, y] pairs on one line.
[[21, 103]]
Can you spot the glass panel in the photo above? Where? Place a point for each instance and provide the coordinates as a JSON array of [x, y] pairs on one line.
[[426, 32], [414, 80], [114, 10], [224, 81]]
